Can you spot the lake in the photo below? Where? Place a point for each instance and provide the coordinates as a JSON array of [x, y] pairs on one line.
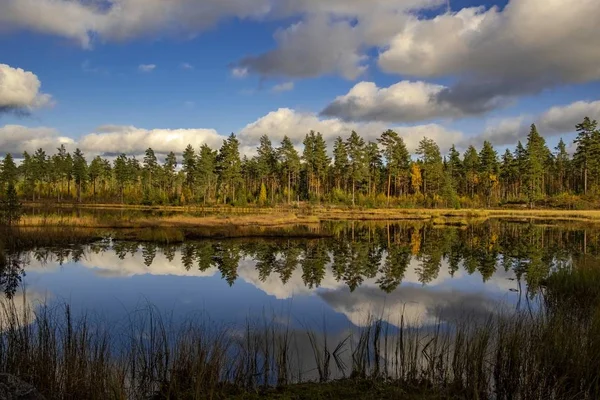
[[425, 273]]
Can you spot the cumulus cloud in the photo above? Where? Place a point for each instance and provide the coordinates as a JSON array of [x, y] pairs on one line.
[[524, 48], [16, 139], [296, 125], [283, 87], [402, 102], [117, 20], [558, 120], [115, 139], [561, 119], [311, 48], [20, 90], [147, 67]]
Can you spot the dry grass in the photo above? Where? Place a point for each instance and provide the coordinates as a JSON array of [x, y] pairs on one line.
[[173, 221], [527, 356]]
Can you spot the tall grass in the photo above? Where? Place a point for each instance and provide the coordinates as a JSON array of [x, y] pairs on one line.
[[544, 354]]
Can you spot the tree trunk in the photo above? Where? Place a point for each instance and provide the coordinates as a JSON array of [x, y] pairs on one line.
[[389, 188], [289, 186]]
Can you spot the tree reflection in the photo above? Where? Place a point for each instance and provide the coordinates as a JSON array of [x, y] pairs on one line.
[[382, 254]]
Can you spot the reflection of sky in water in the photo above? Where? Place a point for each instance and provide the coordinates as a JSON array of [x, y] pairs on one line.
[[110, 287]]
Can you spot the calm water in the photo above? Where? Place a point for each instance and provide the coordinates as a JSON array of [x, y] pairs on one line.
[[427, 273]]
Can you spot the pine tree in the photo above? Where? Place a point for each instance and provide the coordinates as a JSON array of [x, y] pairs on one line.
[[471, 169], [357, 167], [340, 163], [267, 163], [290, 163], [432, 166], [169, 168], [121, 174], [397, 160], [80, 171], [489, 169], [374, 166], [10, 172], [206, 170], [189, 166], [588, 149], [562, 164], [508, 174], [455, 168], [10, 207], [537, 155], [229, 167], [95, 171]]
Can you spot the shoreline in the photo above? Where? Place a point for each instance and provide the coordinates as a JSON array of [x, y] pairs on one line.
[[182, 217]]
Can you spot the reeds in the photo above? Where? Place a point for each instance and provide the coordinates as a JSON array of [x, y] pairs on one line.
[[539, 355]]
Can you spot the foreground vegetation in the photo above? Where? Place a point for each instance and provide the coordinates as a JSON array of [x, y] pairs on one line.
[[550, 352], [376, 174]]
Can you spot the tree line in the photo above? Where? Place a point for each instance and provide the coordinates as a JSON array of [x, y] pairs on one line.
[[376, 173]]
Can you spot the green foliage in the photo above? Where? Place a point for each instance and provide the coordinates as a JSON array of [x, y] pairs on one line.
[[360, 173], [10, 206]]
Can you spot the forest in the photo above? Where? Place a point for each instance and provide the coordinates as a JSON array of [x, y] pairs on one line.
[[380, 173]]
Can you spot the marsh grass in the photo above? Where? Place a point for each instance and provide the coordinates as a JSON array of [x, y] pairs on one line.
[[543, 354]]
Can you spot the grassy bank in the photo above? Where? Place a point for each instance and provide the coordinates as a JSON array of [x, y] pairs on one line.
[[549, 353]]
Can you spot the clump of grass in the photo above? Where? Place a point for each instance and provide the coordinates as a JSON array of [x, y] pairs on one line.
[[541, 354]]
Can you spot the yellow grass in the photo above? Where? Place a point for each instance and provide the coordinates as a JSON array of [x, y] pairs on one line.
[[173, 221]]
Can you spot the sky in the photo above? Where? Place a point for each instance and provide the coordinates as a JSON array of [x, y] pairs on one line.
[[112, 76]]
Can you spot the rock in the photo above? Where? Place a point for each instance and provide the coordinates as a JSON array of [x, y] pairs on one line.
[[12, 388]]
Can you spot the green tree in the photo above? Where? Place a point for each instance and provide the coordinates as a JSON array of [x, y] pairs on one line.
[[290, 163], [537, 155], [10, 207], [229, 167], [95, 172], [206, 166], [169, 168], [562, 165], [432, 166], [9, 172], [357, 166], [587, 154], [80, 171], [340, 163], [488, 171], [455, 168], [397, 161], [471, 170], [189, 166]]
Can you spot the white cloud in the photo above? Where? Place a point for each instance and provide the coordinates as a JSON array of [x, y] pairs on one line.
[[526, 47], [239, 72], [558, 120], [20, 90], [16, 139], [404, 101], [296, 125], [131, 140], [561, 119], [311, 48], [117, 20], [147, 67], [283, 87]]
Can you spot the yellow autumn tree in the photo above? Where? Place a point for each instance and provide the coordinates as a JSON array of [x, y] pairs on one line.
[[416, 178]]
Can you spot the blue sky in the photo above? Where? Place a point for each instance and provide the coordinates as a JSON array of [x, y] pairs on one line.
[[72, 71]]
